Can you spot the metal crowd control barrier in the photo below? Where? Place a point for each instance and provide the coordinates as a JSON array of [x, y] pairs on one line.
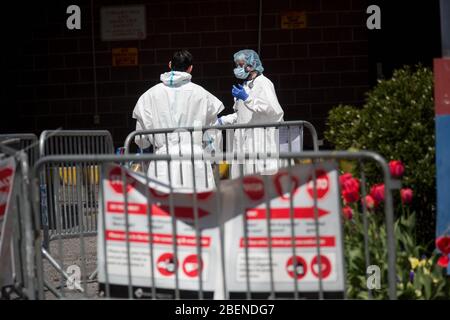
[[69, 194], [291, 134], [58, 187], [261, 138], [20, 257], [132, 239], [27, 142]]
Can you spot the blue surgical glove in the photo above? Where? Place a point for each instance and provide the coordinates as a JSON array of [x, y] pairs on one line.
[[239, 92]]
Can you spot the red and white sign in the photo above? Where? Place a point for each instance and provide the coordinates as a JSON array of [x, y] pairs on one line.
[[285, 213], [273, 224], [296, 267], [325, 267], [192, 265], [289, 217], [166, 264], [116, 179], [285, 194], [7, 170], [150, 214], [7, 173], [322, 184], [253, 187], [156, 210], [287, 242]]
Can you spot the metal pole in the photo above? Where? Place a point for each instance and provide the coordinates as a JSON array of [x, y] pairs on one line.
[[442, 112], [259, 27], [94, 64], [445, 27]]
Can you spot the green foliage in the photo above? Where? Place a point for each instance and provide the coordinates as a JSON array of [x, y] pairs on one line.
[[428, 280], [396, 121]]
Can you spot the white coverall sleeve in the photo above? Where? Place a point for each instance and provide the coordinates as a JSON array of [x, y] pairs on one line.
[[228, 119], [264, 100], [143, 122], [214, 107]]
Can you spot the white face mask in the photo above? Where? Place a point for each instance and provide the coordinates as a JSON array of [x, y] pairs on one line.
[[241, 73]]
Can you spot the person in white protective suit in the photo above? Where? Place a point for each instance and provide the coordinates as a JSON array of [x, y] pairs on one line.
[[177, 102], [255, 103]]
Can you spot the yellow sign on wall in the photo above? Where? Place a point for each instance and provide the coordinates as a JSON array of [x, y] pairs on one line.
[[293, 20], [124, 57]]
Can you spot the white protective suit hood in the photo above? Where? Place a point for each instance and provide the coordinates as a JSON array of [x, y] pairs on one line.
[[175, 78]]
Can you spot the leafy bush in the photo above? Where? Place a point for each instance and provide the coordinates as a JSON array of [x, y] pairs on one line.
[[396, 121]]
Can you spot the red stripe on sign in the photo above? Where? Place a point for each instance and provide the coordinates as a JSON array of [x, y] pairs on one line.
[[119, 207], [167, 239], [162, 211], [179, 212], [286, 242], [285, 213]]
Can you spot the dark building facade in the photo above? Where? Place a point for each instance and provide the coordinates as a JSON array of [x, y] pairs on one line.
[[50, 68]]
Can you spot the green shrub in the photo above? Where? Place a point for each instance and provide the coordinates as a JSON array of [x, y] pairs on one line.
[[396, 121]]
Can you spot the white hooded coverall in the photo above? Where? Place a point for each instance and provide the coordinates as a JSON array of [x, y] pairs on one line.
[[175, 103], [261, 106]]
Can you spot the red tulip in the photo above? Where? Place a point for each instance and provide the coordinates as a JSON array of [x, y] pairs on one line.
[[344, 178], [347, 212], [443, 244], [396, 168], [406, 195], [351, 184], [377, 192], [350, 190], [369, 201], [350, 196], [443, 261]]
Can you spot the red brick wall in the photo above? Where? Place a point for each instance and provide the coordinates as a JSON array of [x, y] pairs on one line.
[[313, 69]]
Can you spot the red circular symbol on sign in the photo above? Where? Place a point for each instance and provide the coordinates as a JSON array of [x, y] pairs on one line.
[[301, 267], [5, 179], [116, 182], [166, 264], [191, 266], [326, 266], [253, 187], [322, 184], [279, 185]]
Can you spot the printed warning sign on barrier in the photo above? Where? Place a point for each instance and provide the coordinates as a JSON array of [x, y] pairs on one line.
[[282, 241], [7, 176], [7, 170], [288, 238], [151, 252]]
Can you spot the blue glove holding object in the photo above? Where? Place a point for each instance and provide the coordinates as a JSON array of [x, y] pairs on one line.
[[239, 92]]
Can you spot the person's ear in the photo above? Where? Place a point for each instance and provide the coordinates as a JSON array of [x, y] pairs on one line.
[[189, 70], [170, 65]]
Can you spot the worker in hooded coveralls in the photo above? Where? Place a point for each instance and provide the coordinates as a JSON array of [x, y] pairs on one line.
[[177, 102], [255, 102]]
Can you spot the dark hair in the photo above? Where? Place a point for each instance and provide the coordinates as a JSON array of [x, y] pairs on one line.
[[181, 60]]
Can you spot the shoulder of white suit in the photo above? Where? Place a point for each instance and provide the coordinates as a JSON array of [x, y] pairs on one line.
[[199, 88], [262, 80]]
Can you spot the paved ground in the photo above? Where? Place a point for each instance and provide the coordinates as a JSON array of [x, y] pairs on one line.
[[71, 259], [70, 208]]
